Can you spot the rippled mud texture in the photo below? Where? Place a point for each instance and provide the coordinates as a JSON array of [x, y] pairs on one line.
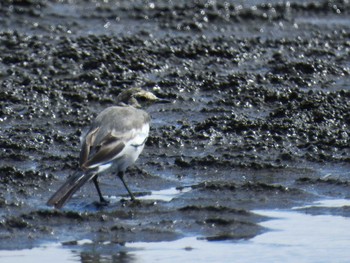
[[260, 115]]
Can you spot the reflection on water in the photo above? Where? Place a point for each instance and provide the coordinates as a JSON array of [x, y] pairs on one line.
[[292, 236]]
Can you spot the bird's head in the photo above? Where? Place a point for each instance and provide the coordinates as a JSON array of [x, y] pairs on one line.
[[138, 98]]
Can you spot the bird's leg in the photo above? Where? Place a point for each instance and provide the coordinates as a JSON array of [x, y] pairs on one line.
[[121, 176], [102, 200]]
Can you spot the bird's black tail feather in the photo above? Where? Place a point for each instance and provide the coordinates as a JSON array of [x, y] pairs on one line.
[[66, 191]]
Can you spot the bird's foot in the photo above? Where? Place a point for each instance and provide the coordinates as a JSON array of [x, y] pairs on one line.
[[103, 202]]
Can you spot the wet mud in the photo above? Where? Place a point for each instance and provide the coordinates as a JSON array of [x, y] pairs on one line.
[[259, 118]]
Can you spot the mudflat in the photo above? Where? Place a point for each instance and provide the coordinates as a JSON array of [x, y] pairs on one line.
[[260, 114]]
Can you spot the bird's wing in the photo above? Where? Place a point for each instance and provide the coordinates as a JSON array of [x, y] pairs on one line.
[[109, 149], [108, 138], [88, 141]]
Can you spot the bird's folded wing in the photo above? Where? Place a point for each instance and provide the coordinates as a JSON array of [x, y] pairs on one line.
[[105, 154], [100, 148], [87, 144]]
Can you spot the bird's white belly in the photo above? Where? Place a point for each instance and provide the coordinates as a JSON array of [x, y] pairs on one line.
[[133, 148], [131, 153]]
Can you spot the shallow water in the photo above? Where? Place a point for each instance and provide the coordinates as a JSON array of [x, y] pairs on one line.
[[291, 236]]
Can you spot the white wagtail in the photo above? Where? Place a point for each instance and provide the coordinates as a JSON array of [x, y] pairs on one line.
[[114, 141]]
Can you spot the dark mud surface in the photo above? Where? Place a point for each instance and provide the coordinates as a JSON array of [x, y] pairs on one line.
[[260, 115]]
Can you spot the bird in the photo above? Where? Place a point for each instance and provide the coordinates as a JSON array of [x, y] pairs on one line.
[[114, 141]]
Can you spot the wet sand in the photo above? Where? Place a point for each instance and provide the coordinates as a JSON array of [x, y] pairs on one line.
[[259, 120]]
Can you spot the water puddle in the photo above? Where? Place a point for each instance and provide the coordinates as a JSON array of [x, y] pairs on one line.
[[165, 195], [50, 253], [291, 236]]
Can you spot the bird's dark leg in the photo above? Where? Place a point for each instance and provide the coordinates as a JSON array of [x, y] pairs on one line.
[[102, 200], [121, 176]]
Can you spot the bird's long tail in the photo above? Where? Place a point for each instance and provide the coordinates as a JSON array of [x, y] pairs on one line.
[[66, 191]]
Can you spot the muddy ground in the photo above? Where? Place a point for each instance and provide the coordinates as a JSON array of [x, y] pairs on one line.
[[259, 118]]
